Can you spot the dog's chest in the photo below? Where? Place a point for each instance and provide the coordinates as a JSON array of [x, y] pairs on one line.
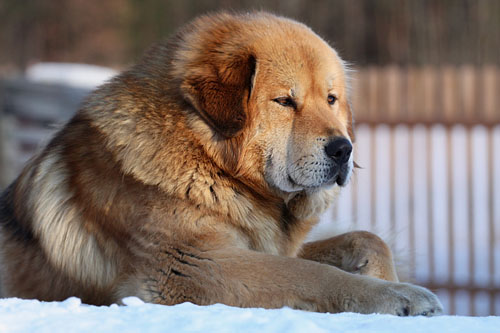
[[279, 236]]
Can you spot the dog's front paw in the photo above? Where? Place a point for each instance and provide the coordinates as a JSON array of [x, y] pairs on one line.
[[422, 302], [401, 299]]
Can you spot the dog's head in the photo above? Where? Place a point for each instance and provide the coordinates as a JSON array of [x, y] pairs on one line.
[[269, 89]]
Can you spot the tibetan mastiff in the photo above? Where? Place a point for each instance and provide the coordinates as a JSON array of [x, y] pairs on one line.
[[196, 175]]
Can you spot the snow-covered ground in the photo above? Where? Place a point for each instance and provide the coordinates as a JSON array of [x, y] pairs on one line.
[[71, 316]]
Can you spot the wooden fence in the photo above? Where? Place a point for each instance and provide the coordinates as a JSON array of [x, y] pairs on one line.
[[426, 95], [433, 192], [428, 140]]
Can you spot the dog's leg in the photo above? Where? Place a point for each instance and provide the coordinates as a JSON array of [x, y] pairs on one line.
[[245, 278], [359, 252]]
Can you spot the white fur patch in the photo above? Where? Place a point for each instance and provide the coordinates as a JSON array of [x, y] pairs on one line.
[[58, 224]]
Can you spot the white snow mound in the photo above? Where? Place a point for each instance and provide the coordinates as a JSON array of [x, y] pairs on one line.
[[75, 75], [71, 315]]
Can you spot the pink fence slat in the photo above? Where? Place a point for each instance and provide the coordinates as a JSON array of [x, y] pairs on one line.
[[359, 88], [491, 219], [451, 217], [468, 87], [392, 91], [490, 88], [470, 215], [414, 93], [430, 204], [373, 178], [449, 96], [430, 91], [411, 203], [372, 93]]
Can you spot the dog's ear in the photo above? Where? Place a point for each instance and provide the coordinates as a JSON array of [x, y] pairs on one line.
[[219, 91]]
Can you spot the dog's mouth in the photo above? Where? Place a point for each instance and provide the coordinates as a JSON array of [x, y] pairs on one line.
[[291, 181], [342, 176], [339, 175], [335, 175], [308, 175]]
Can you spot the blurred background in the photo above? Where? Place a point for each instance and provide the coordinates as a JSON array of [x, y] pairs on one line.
[[426, 92]]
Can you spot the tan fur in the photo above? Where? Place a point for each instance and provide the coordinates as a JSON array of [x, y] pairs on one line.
[[358, 252], [195, 176]]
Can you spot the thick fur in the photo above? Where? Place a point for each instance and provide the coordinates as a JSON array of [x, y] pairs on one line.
[[195, 176]]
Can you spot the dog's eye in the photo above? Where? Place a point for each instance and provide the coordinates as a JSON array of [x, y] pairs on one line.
[[285, 101], [331, 99]]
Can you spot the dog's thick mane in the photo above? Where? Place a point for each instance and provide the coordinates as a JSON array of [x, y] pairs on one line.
[[223, 157]]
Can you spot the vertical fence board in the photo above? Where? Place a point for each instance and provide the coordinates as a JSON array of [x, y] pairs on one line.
[[451, 218], [393, 96], [413, 98], [411, 203], [490, 85], [468, 87], [392, 178], [373, 178], [429, 92], [449, 88], [430, 204], [354, 193], [470, 215], [359, 85], [491, 220], [372, 93]]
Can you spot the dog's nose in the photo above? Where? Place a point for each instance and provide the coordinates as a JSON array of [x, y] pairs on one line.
[[339, 149]]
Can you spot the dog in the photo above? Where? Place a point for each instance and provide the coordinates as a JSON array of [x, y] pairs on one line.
[[196, 175]]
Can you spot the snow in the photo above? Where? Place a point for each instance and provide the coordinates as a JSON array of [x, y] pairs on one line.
[[75, 75], [18, 315]]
